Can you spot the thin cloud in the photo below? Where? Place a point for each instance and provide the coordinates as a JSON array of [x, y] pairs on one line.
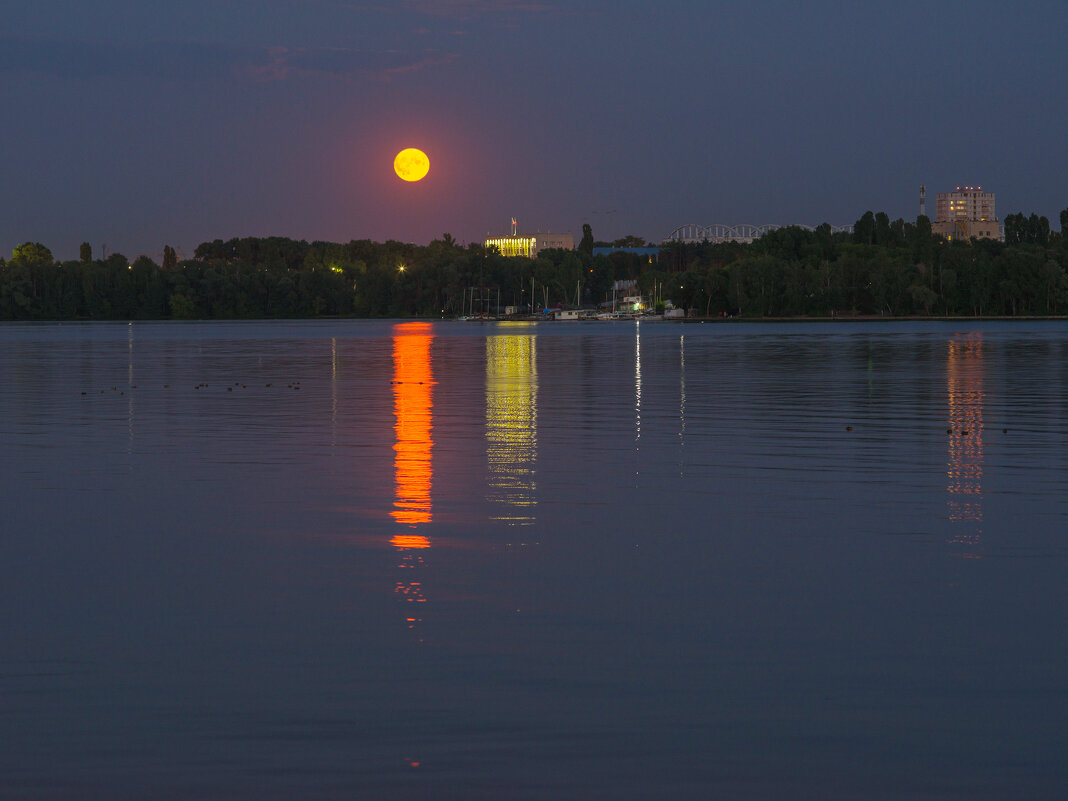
[[348, 62], [454, 9], [469, 9], [193, 61]]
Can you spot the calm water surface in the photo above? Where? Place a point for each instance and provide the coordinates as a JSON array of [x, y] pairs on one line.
[[376, 560]]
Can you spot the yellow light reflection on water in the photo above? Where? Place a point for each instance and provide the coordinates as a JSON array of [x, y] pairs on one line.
[[964, 469], [512, 424], [413, 404]]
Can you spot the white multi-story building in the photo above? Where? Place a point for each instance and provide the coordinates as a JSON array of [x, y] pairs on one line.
[[967, 212]]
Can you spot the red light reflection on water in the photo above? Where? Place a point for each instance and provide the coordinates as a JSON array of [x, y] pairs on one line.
[[411, 548], [413, 405], [410, 541]]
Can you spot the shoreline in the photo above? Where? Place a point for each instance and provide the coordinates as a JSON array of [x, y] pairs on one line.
[[757, 320]]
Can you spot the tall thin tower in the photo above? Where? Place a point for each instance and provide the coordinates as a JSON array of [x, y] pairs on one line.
[[923, 200]]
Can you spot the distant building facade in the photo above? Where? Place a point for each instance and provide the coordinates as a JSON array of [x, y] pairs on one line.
[[530, 246], [965, 213]]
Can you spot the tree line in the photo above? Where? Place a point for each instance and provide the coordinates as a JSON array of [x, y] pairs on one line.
[[884, 267], [887, 268]]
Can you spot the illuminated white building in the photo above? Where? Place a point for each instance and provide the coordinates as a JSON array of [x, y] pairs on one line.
[[530, 246], [967, 212]]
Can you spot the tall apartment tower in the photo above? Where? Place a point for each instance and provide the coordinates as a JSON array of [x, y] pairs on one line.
[[965, 213]]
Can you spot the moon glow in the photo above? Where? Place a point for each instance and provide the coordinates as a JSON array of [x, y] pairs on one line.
[[411, 164]]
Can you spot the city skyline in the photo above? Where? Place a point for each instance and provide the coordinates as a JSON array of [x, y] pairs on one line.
[[145, 125]]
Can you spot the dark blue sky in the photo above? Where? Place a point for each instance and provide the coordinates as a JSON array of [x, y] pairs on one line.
[[139, 123]]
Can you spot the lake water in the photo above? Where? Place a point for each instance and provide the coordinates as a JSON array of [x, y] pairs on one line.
[[378, 560]]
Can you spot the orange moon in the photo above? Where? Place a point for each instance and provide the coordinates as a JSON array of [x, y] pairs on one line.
[[411, 164]]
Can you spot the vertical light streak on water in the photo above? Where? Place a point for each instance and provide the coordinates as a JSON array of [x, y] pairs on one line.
[[333, 392], [413, 378], [637, 398], [964, 470], [129, 384], [637, 383], [409, 589], [682, 403], [512, 425]]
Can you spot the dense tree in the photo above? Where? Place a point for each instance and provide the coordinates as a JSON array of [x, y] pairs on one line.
[[586, 244], [883, 268], [32, 253], [170, 258], [864, 229], [1026, 230], [1014, 229], [1038, 230], [882, 235], [920, 240]]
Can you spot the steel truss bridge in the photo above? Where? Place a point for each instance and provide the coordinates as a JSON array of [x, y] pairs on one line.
[[691, 232]]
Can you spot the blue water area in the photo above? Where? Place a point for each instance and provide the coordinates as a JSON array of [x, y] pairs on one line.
[[461, 560]]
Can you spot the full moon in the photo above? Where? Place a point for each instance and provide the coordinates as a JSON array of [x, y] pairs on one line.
[[411, 164]]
